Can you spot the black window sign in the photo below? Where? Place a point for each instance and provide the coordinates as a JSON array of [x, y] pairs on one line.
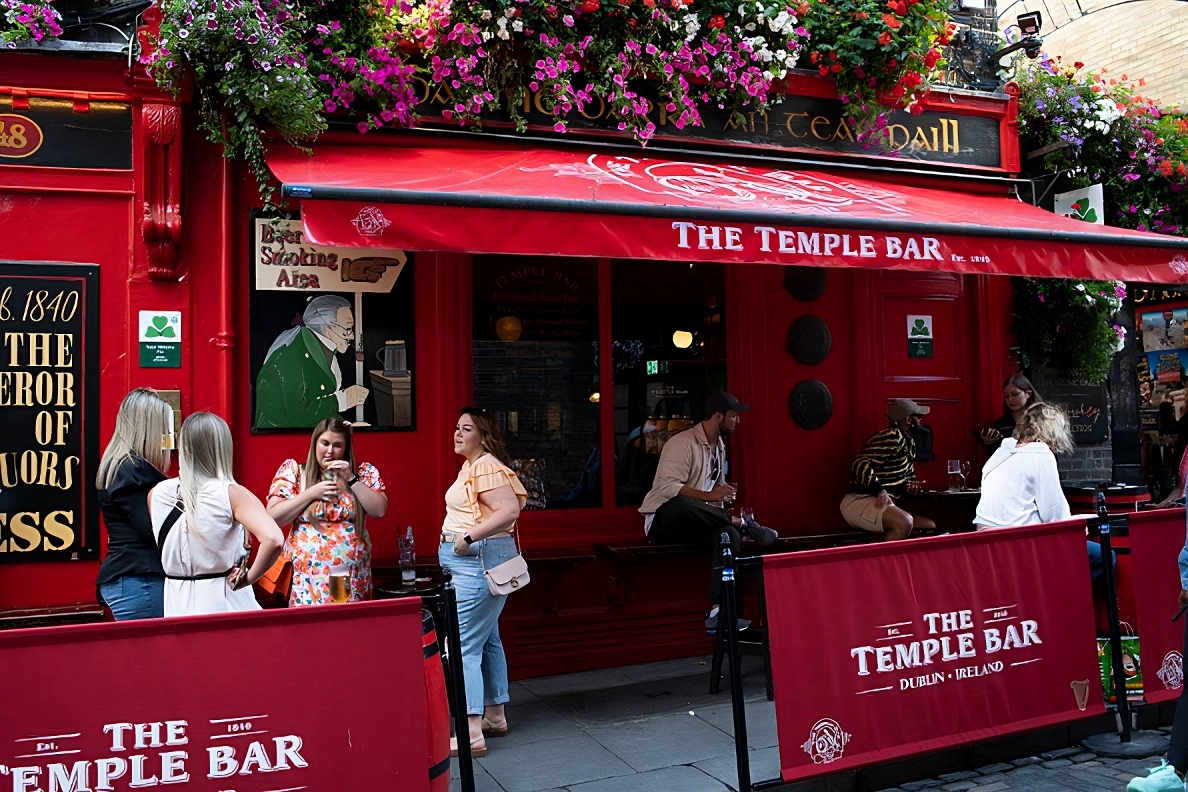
[[1085, 406], [49, 366], [51, 133]]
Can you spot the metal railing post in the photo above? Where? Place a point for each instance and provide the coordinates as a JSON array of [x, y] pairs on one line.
[[728, 620], [458, 688], [1107, 557]]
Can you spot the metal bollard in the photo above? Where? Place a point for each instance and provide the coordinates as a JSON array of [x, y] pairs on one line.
[[458, 688], [728, 620], [1103, 517]]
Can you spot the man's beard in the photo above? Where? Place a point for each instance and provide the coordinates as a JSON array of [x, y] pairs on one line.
[[724, 431]]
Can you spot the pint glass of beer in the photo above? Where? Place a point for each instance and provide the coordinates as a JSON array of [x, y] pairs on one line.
[[340, 583]]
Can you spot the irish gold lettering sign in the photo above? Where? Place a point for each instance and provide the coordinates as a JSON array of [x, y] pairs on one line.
[[48, 407]]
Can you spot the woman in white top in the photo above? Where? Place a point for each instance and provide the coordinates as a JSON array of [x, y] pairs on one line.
[[203, 514], [1020, 482]]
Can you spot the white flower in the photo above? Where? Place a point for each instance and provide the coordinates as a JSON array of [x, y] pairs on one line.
[[781, 55], [486, 13], [503, 34], [517, 25], [691, 26], [509, 13], [750, 26]]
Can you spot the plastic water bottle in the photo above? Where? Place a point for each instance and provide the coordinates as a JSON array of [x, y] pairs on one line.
[[408, 557]]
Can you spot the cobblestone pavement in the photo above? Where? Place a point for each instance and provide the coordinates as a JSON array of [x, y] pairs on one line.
[[1065, 770]]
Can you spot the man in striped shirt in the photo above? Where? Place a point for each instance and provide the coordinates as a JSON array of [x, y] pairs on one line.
[[885, 470]]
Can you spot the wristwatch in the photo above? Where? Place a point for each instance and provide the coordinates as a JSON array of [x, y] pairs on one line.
[[466, 538], [354, 480]]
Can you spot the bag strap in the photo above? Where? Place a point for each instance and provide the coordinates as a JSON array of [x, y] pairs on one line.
[[170, 520]]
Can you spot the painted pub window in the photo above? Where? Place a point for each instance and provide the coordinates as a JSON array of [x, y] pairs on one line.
[[669, 331], [331, 333], [536, 368], [49, 408]]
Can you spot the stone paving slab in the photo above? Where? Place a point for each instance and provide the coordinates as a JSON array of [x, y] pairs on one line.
[[552, 763], [685, 779], [765, 766], [669, 740], [761, 727]]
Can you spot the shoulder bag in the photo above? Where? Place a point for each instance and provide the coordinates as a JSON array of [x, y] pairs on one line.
[[511, 575]]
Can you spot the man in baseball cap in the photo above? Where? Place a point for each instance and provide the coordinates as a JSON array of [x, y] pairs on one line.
[[686, 504], [885, 470]]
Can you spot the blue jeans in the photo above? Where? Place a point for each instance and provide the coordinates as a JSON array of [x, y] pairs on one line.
[[1096, 567], [135, 597], [483, 663]]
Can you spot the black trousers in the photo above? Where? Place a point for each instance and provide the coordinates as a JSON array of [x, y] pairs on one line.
[[688, 521], [1177, 754]]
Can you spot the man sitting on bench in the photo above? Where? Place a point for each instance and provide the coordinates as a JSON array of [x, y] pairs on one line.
[[685, 504]]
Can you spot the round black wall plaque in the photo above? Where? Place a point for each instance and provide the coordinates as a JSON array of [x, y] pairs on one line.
[[805, 283], [810, 404], [809, 340]]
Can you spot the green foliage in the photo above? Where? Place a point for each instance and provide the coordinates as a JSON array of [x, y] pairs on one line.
[[1068, 325]]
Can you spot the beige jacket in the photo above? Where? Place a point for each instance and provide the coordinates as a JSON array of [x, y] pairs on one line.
[[683, 462]]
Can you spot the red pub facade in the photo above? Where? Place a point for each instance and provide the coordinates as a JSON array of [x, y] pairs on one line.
[[525, 258]]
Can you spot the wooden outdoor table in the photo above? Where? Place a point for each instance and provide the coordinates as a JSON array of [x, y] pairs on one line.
[[951, 510]]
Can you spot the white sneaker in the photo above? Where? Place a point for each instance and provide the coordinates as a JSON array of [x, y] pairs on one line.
[[1161, 779]]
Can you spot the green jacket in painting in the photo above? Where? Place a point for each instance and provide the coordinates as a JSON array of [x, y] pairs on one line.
[[295, 388]]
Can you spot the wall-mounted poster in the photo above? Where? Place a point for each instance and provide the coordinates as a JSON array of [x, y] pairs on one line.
[[1164, 329], [331, 332], [49, 403]]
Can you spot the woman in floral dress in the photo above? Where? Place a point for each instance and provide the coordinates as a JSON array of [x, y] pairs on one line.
[[323, 499]]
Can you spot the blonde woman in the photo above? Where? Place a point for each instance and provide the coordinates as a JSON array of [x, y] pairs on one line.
[[131, 582], [1020, 482], [201, 521], [330, 498], [482, 507]]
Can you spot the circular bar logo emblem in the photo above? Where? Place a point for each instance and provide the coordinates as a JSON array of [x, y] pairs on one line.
[[20, 137]]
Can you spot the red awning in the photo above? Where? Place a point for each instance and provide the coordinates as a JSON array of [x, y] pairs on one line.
[[483, 196]]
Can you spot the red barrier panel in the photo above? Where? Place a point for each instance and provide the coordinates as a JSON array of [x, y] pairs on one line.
[[327, 698], [888, 650], [1156, 539]]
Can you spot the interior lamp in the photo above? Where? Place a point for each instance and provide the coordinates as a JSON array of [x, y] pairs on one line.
[[682, 339]]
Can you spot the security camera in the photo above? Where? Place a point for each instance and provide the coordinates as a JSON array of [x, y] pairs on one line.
[[1030, 23]]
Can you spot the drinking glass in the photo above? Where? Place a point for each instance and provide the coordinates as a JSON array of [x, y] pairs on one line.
[[964, 476], [746, 514], [340, 583], [956, 481]]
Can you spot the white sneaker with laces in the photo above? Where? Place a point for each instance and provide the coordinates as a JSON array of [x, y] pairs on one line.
[[1161, 779]]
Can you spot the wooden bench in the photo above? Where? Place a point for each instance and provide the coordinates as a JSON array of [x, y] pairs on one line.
[[55, 616]]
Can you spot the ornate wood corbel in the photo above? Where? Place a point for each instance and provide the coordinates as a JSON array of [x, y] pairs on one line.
[[161, 169]]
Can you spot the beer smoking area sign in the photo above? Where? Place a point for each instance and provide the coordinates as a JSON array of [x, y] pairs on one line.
[[49, 405]]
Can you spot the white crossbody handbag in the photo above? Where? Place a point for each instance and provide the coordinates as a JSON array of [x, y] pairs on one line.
[[511, 575]]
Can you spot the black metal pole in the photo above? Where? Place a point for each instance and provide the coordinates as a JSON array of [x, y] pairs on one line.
[[728, 620], [458, 688], [1107, 554]]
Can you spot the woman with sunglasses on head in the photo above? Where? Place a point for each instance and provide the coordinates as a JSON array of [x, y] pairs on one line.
[[482, 507], [131, 582], [328, 500]]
